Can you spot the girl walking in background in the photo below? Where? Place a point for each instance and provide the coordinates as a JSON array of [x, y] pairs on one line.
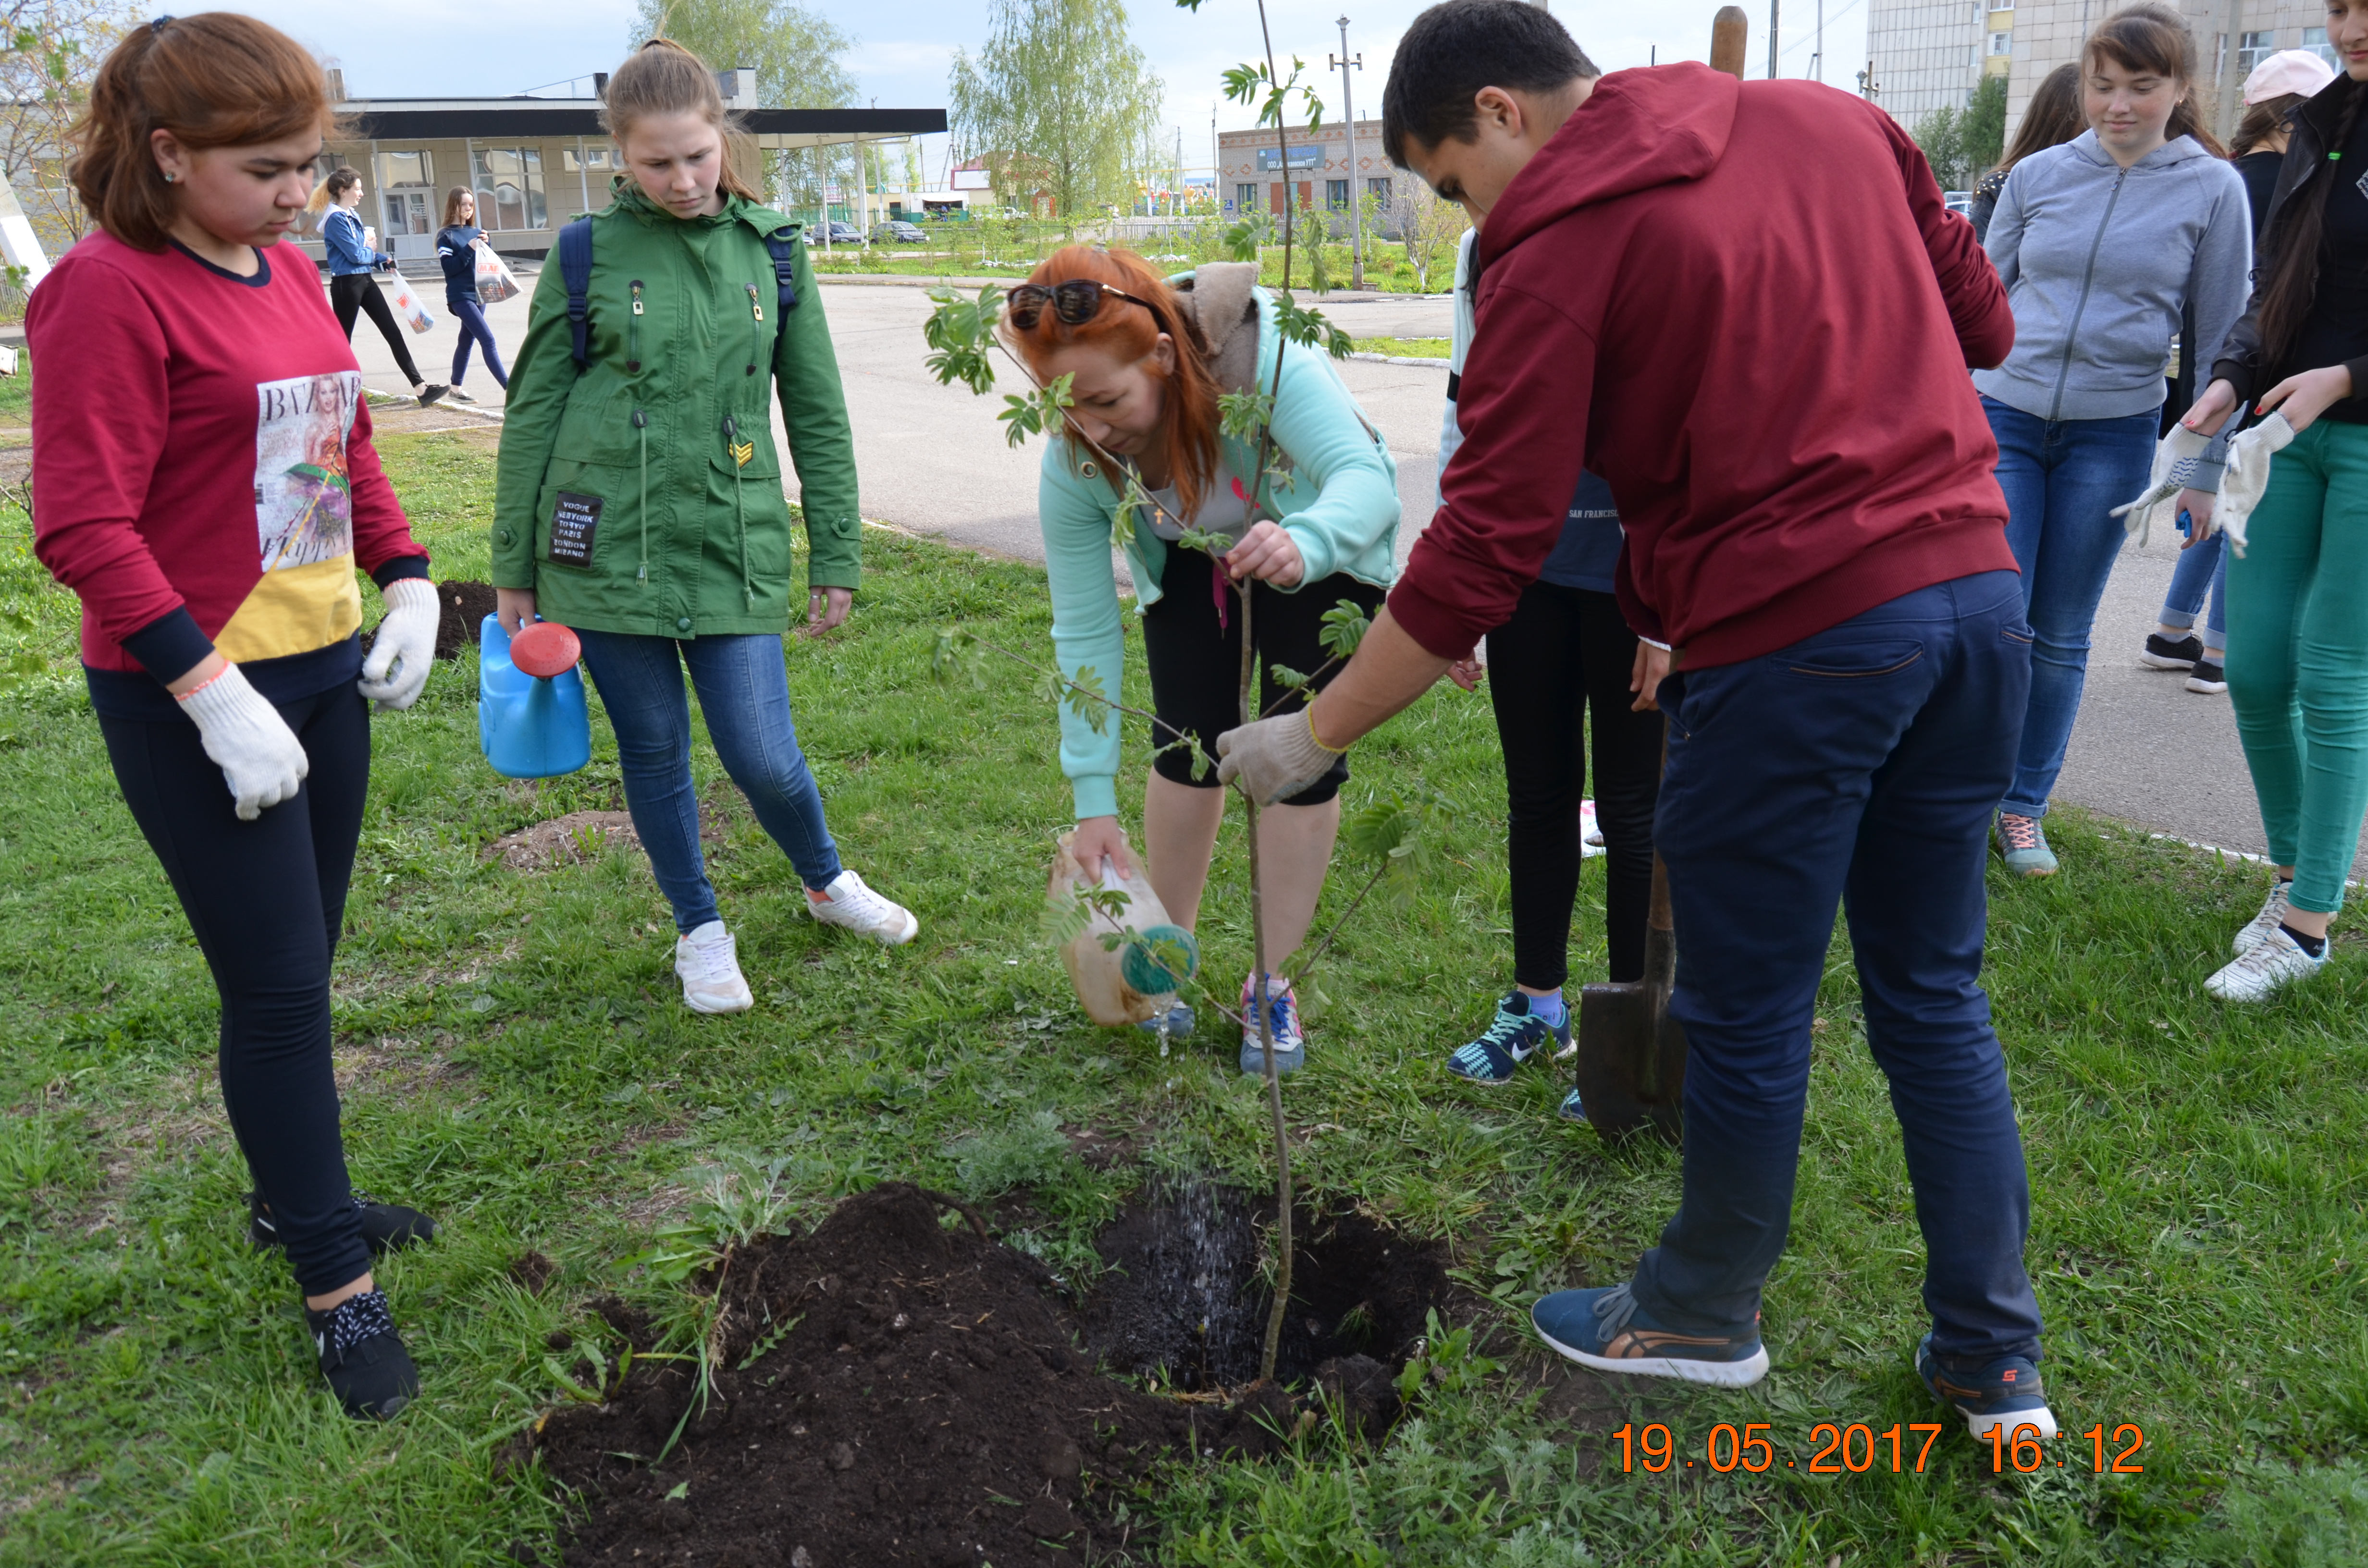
[[2052, 119], [223, 673], [2278, 87], [456, 248], [1152, 357], [639, 498], [2297, 640], [353, 266], [2104, 242]]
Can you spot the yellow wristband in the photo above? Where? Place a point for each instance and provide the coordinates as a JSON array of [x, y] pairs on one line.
[[1336, 751]]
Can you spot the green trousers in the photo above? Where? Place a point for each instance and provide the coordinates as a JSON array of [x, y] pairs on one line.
[[2298, 656]]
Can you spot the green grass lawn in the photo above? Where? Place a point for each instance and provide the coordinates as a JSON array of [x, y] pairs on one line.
[[515, 1058], [1407, 347]]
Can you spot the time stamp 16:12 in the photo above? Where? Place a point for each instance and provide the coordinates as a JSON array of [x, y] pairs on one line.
[[1856, 1448]]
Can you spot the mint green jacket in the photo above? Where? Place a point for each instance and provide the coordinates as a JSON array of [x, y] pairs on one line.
[[695, 500], [1339, 505]]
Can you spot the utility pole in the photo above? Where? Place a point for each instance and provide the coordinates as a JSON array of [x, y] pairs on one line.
[[1821, 41], [1217, 169], [1348, 112], [1868, 88], [1773, 5]]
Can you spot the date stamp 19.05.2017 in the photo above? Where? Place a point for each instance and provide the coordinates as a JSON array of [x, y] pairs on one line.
[[1857, 1448]]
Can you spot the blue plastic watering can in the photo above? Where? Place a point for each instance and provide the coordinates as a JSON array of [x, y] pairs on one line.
[[531, 726]]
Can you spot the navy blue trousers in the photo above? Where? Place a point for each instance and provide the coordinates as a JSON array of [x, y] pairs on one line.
[[1858, 767]]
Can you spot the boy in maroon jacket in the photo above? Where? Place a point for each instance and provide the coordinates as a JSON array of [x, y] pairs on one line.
[[1746, 307]]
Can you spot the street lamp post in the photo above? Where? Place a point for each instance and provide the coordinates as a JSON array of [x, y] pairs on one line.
[[1345, 64]]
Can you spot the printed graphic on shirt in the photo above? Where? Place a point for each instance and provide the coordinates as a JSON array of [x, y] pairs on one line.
[[303, 499]]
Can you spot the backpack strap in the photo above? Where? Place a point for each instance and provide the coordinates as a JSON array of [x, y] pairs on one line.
[[783, 242], [575, 271]]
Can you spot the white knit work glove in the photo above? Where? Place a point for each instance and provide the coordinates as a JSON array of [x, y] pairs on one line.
[[2248, 476], [2174, 464], [260, 757], [405, 643], [1272, 758]]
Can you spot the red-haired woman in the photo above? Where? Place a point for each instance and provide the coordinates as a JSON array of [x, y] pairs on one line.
[[1150, 359], [208, 488]]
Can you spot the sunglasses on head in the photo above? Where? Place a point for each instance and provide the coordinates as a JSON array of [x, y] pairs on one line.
[[1074, 303]]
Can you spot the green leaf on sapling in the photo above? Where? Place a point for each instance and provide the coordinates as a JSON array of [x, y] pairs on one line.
[[1285, 676], [1241, 414], [1344, 627], [1088, 700]]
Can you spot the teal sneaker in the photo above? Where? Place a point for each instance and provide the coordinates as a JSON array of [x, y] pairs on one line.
[[1512, 1038], [2007, 1392], [1572, 1108], [1607, 1330], [2022, 842]]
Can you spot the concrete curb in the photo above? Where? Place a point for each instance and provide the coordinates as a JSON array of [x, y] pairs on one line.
[[1401, 359]]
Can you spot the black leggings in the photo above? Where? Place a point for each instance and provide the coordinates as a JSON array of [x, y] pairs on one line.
[[1566, 647], [266, 900], [1196, 664], [358, 292]]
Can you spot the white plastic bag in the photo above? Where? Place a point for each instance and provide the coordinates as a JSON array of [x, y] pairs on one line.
[[494, 283], [1126, 980], [410, 306]]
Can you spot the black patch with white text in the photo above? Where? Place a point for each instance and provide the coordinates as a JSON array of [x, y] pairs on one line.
[[574, 520]]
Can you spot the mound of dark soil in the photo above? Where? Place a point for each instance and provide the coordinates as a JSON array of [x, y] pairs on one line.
[[915, 1399], [466, 604]]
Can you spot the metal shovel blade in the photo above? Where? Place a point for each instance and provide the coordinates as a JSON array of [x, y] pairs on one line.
[[1631, 1053]]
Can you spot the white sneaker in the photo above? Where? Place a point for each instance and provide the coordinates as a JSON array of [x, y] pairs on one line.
[[2272, 916], [709, 968], [846, 901], [2276, 961]]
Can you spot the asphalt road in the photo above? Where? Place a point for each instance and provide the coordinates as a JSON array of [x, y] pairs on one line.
[[933, 461]]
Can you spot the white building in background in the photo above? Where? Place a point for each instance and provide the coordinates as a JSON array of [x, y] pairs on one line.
[[1931, 54]]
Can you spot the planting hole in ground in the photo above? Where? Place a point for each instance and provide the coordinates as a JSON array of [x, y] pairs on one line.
[[1184, 1297], [894, 1387]]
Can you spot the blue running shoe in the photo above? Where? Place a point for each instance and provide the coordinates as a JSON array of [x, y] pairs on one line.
[[1607, 1330], [1572, 1108], [2007, 1393], [1290, 1039], [1179, 1019], [1512, 1038]]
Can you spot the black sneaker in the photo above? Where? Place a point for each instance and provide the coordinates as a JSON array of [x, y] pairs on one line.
[[363, 1357], [385, 1226], [432, 391], [2207, 677], [2162, 653]]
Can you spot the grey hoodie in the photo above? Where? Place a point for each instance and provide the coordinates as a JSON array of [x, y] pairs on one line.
[[2097, 262]]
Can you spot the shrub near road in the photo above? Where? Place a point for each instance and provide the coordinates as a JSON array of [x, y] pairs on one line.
[[512, 1056]]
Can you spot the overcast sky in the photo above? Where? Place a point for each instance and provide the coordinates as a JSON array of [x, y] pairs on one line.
[[432, 48]]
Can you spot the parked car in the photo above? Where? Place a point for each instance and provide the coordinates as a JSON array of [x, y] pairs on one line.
[[837, 234], [897, 232]]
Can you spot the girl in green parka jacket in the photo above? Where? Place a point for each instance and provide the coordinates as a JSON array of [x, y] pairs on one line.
[[640, 499]]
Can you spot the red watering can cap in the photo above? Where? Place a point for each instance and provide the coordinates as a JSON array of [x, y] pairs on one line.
[[545, 649]]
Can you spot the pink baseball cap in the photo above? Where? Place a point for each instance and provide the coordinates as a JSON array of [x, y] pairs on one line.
[[2287, 70]]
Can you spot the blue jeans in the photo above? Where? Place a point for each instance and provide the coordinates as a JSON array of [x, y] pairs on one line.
[[1858, 766], [2203, 569], [744, 694], [2061, 480], [470, 318]]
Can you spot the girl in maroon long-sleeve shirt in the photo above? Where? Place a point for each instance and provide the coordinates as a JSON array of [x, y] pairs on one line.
[[208, 488]]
